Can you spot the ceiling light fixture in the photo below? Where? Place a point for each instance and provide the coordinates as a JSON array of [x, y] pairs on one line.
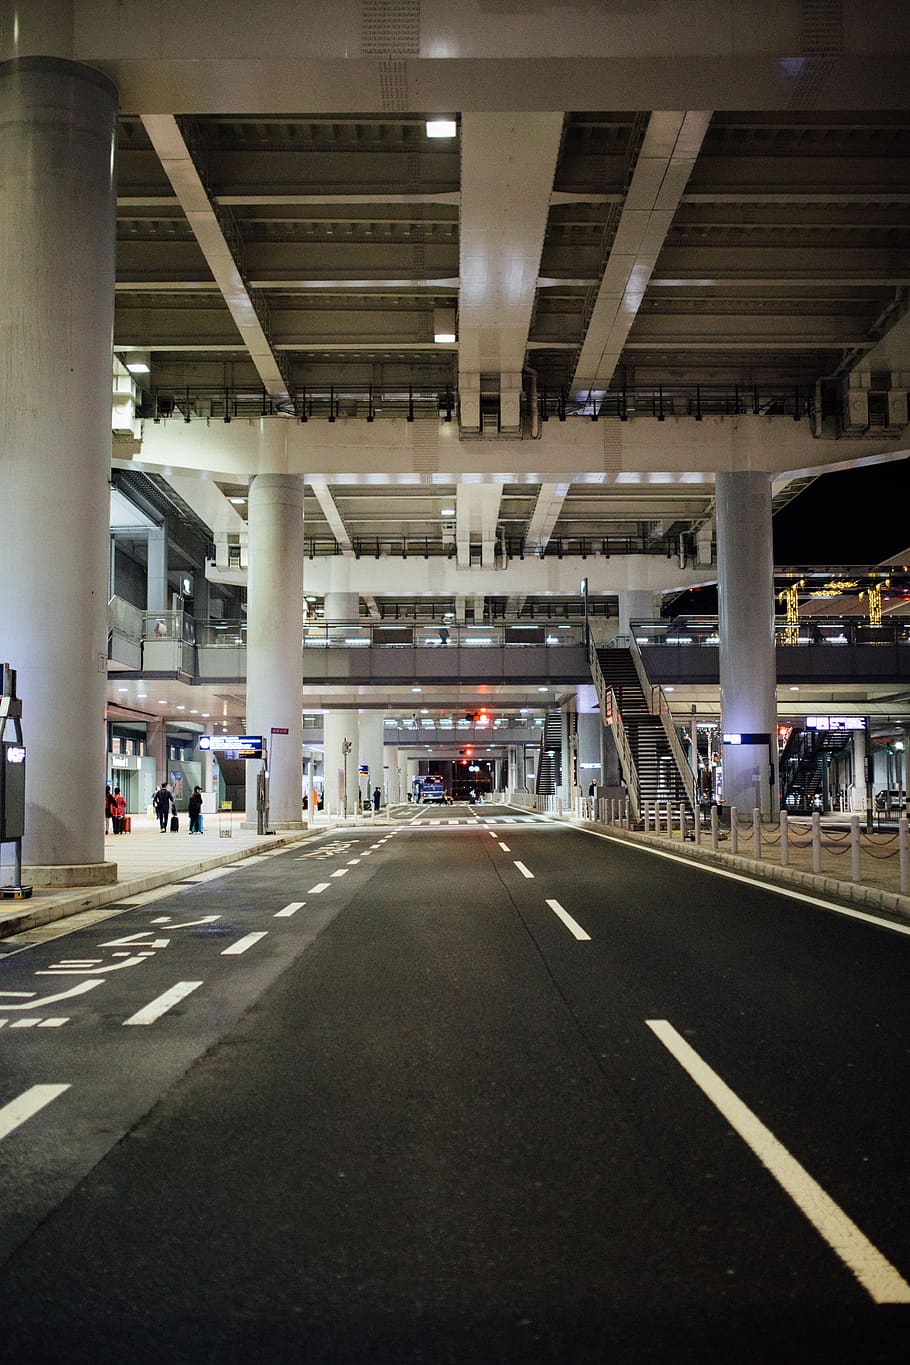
[[444, 325], [442, 127]]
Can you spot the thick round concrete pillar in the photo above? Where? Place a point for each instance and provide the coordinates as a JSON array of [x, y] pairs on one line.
[[634, 605], [342, 606], [274, 664], [57, 217], [339, 728], [748, 677], [371, 728]]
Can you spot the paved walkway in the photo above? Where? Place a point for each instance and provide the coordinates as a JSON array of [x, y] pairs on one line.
[[147, 859]]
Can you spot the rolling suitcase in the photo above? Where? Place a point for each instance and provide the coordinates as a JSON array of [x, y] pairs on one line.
[[175, 824]]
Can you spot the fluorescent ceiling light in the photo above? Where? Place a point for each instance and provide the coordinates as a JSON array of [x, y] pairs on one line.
[[441, 127], [444, 324], [447, 512], [237, 501], [138, 367]]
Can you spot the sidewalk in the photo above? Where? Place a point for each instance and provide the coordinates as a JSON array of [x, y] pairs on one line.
[[147, 859]]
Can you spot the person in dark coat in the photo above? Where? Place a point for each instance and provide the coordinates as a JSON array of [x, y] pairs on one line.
[[194, 808], [377, 798], [163, 803]]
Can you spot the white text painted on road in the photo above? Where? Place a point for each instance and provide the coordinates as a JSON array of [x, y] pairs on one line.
[[876, 1274], [162, 1003]]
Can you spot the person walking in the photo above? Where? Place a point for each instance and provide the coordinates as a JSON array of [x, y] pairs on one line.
[[109, 809], [163, 802], [119, 815], [194, 809], [377, 799]]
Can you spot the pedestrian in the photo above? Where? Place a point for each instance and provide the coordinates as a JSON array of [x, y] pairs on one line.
[[377, 798], [119, 815], [443, 635], [194, 807], [109, 809], [163, 801], [472, 796], [592, 790]]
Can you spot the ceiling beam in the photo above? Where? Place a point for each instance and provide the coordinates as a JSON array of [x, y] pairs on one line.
[[177, 162], [330, 511], [668, 153], [549, 503], [508, 162]]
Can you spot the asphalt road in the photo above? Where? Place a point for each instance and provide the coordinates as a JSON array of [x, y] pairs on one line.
[[499, 1092]]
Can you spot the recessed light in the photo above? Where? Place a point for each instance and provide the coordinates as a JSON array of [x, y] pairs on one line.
[[794, 689], [442, 127], [237, 501], [139, 366], [416, 689], [123, 689], [162, 703], [447, 512], [206, 714], [181, 708]]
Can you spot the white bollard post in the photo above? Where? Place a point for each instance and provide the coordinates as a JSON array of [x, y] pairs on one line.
[[734, 831], [854, 848], [714, 827], [902, 851], [696, 817], [682, 821], [816, 842], [756, 834], [784, 835], [669, 820]]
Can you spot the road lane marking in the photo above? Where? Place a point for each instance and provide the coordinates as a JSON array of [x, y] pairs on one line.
[[352, 862], [492, 833], [289, 910], [572, 925], [522, 869], [505, 848], [876, 1274], [776, 887], [27, 1104], [162, 1003], [320, 886], [342, 872], [242, 944]]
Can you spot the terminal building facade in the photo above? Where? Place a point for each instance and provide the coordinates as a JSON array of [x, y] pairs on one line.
[[377, 386]]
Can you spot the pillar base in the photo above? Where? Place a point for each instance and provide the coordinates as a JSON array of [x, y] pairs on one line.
[[56, 875]]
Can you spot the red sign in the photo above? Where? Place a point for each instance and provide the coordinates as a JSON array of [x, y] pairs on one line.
[[276, 730]]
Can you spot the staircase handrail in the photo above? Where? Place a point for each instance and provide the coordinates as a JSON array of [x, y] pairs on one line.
[[612, 718], [658, 705]]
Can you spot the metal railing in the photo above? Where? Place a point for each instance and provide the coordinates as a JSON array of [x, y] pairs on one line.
[[612, 718], [406, 635], [658, 705], [835, 631]]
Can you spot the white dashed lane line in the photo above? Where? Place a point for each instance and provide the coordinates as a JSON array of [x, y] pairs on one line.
[[320, 886], [242, 944], [289, 910], [572, 925], [523, 870], [505, 848], [342, 872], [27, 1104], [162, 1003], [876, 1274]]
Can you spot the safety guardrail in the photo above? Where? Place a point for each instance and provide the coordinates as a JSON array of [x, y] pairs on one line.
[[835, 631]]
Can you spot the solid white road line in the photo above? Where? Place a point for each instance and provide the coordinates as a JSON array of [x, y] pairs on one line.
[[320, 886], [342, 872], [289, 910], [505, 848], [877, 1275], [242, 944], [522, 869], [155, 1008], [572, 925], [27, 1104]]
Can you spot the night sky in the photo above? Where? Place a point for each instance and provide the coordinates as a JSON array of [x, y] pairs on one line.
[[860, 516]]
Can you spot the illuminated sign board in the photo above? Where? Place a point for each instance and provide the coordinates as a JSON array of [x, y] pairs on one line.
[[233, 746], [835, 722], [15, 753], [759, 738]]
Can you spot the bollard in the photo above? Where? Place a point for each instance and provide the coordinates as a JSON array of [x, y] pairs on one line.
[[682, 821], [696, 826], [784, 846], [902, 850], [756, 834], [816, 842], [734, 831], [714, 823], [669, 820], [854, 848]]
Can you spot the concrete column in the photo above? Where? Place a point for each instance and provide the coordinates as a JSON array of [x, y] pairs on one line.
[[274, 665], [156, 594], [371, 733], [589, 731], [342, 606], [156, 748], [637, 605], [858, 789], [340, 770], [57, 217], [748, 700], [565, 785], [393, 775], [412, 766]]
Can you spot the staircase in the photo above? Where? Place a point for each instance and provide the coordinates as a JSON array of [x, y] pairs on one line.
[[803, 764], [658, 776], [550, 762]]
